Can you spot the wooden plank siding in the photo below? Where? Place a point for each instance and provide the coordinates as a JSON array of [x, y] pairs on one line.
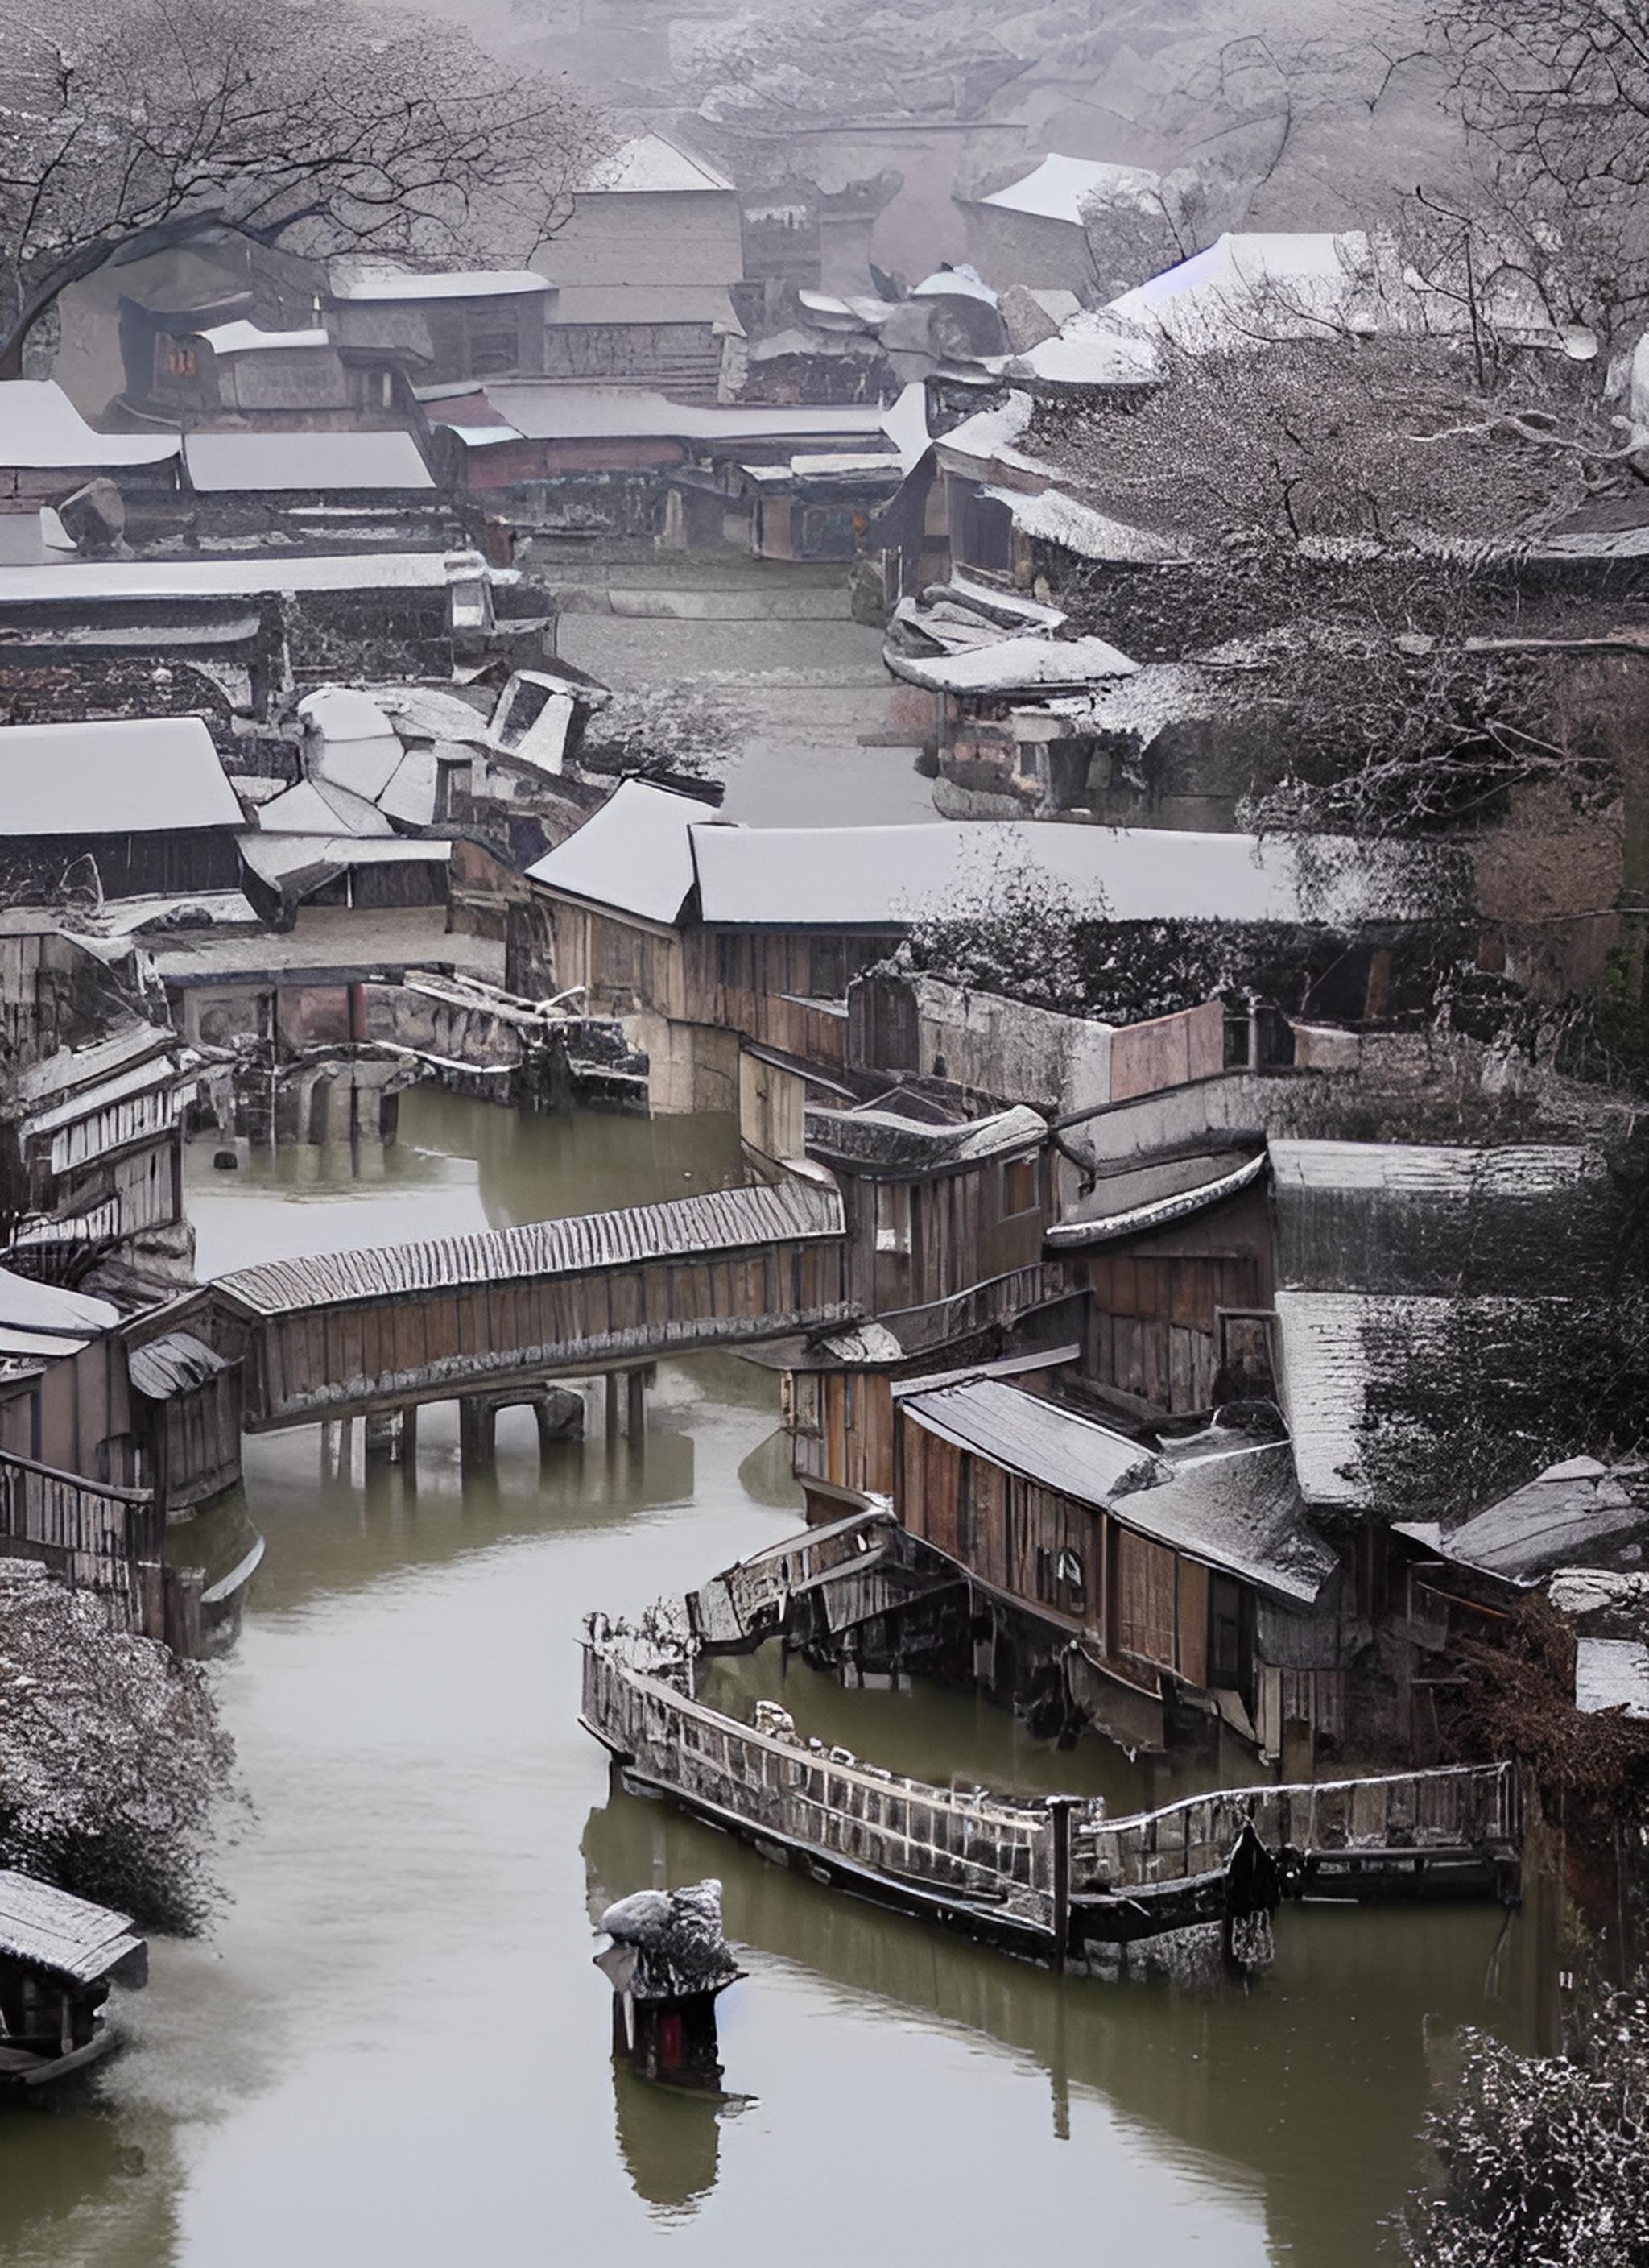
[[335, 1360], [1140, 1607], [1153, 1328]]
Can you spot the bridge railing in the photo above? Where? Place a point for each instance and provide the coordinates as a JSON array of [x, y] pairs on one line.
[[1448, 1808], [990, 1851], [954, 1844], [753, 1595]]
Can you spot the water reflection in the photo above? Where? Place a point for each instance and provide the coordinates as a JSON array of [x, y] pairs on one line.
[[394, 2048]]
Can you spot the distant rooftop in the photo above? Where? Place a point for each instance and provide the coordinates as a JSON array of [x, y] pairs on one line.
[[543, 411], [224, 463], [357, 280], [1058, 188], [42, 430], [247, 338], [651, 164]]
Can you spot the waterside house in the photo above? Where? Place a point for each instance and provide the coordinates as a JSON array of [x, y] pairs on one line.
[[58, 1956]]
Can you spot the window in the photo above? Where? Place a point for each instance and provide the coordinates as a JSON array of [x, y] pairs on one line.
[[492, 352], [803, 1391], [1020, 1186], [1062, 1579], [826, 974], [893, 1216]]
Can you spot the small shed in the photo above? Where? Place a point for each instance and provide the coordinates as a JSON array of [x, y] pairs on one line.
[[58, 1957], [187, 1409]]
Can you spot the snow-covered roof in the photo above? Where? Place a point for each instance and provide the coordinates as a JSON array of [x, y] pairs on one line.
[[42, 430], [1059, 187], [884, 878], [1015, 664], [68, 1936], [74, 581], [1251, 288], [220, 463], [1053, 517], [43, 1319], [636, 855], [357, 280], [112, 775], [618, 301], [543, 411], [1093, 350], [651, 164], [1611, 1673], [247, 338]]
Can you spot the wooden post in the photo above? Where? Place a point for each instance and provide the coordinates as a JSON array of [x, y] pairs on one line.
[[612, 1408], [636, 1413], [1059, 1825], [410, 1444]]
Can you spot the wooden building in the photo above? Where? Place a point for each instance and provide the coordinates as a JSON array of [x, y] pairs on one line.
[[58, 1956], [945, 1220], [64, 1397], [186, 1405], [95, 1154], [1176, 1258], [140, 805], [1153, 1575], [661, 911]]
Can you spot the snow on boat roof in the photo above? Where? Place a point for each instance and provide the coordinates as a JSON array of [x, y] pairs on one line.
[[651, 163], [112, 775], [41, 429], [69, 1936], [1059, 187], [221, 462]]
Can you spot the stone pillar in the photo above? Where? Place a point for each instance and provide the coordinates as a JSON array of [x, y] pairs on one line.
[[635, 1411], [612, 1408], [379, 1429], [410, 1444], [559, 1415], [477, 1433]]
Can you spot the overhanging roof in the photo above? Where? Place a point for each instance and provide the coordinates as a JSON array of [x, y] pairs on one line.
[[68, 1936]]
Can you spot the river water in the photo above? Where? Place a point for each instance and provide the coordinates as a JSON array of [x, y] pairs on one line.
[[392, 2048]]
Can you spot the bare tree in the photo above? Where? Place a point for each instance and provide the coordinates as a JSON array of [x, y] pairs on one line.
[[647, 732], [129, 126]]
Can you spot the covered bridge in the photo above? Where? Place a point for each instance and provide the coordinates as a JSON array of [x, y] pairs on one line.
[[335, 1335]]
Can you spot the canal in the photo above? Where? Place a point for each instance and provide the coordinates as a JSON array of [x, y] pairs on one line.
[[392, 2048]]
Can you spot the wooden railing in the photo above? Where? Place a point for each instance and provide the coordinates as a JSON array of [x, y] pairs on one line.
[[956, 1847], [752, 1597], [1450, 1808], [1019, 1865], [90, 1536], [935, 1322]]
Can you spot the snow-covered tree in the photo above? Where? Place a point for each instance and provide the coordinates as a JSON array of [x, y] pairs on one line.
[[112, 1764]]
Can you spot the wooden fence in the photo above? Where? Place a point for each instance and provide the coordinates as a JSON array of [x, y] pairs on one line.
[[106, 1540]]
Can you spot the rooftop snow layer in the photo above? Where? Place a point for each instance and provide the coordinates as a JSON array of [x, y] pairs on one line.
[[42, 430], [112, 775]]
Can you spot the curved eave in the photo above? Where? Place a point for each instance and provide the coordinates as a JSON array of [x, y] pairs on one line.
[[1068, 1236]]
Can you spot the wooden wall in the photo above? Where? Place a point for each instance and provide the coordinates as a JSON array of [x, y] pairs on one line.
[[947, 1233], [766, 984], [1156, 1300], [1143, 1608]]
